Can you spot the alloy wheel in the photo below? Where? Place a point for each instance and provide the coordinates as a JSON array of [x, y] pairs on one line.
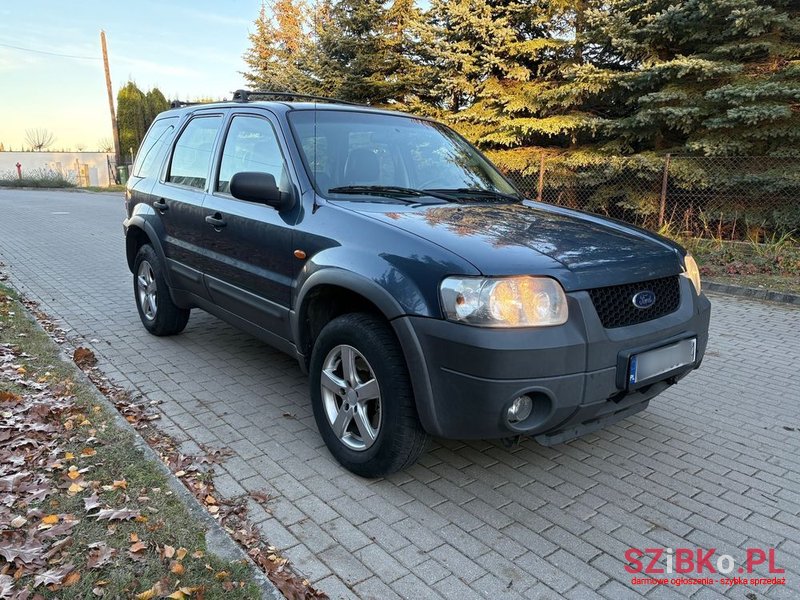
[[351, 397], [147, 290]]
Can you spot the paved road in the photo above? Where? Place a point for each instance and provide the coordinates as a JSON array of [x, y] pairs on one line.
[[714, 463]]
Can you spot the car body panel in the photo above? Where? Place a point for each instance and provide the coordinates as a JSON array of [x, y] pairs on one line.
[[525, 239]]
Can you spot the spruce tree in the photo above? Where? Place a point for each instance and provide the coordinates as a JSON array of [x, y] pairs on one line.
[[275, 57], [350, 48]]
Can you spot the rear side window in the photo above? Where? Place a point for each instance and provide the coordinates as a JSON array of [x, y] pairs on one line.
[[251, 145], [192, 155], [158, 136]]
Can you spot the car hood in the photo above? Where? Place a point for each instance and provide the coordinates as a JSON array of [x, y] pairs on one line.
[[582, 251]]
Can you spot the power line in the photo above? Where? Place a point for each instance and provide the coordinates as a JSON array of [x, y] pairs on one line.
[[50, 53]]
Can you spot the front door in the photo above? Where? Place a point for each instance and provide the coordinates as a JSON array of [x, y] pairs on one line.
[[250, 263]]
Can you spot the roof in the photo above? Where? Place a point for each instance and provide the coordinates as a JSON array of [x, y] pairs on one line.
[[284, 106]]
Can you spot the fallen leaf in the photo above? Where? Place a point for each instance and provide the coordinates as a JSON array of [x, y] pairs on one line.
[[260, 496], [91, 502], [169, 551], [52, 576], [111, 514], [69, 456], [73, 474], [176, 568], [158, 589], [222, 575], [9, 397], [50, 520], [121, 484], [72, 579], [84, 357], [100, 554], [134, 537], [27, 552], [210, 499], [182, 552], [75, 488], [88, 452], [18, 522], [137, 547]]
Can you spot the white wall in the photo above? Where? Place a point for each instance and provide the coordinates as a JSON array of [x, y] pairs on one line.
[[82, 168]]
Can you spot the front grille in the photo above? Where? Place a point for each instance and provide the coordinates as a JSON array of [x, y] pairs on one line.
[[615, 307]]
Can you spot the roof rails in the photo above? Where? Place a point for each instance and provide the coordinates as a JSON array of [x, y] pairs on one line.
[[181, 103], [245, 95]]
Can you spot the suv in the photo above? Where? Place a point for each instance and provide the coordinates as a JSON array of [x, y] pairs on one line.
[[420, 291]]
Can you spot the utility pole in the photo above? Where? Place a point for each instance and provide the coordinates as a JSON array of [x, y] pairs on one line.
[[114, 130]]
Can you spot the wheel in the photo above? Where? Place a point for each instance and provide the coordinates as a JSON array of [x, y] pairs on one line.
[[157, 311], [362, 397]]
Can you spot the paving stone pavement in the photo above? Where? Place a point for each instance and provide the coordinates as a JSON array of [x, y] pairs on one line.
[[713, 463]]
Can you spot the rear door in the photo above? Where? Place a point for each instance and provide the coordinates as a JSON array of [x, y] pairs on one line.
[[178, 199], [251, 261]]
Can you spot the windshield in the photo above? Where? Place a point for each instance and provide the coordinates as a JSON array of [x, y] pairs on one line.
[[347, 150]]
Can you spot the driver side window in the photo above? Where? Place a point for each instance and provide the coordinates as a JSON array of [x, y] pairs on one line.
[[251, 145]]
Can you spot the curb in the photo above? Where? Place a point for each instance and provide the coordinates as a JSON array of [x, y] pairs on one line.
[[218, 541], [753, 293]]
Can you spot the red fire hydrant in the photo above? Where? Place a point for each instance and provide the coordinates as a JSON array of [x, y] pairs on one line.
[[19, 170]]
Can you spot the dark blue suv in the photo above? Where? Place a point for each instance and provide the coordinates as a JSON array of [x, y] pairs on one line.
[[423, 294]]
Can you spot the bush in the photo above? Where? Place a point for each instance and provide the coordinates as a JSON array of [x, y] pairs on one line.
[[36, 178]]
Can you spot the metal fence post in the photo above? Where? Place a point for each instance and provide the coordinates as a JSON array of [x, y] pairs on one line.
[[540, 189], [664, 183]]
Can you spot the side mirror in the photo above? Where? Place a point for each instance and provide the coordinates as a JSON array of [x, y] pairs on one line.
[[261, 188]]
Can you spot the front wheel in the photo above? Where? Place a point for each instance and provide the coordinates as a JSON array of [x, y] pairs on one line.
[[159, 314], [362, 397]]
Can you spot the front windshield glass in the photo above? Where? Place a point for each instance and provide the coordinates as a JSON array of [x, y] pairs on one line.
[[346, 149]]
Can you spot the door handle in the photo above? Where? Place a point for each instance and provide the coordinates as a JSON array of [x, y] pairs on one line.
[[161, 205], [216, 221]]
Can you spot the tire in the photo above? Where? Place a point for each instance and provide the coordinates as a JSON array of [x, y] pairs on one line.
[[398, 435], [157, 311]]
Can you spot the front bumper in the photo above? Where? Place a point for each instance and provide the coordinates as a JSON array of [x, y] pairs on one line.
[[465, 378]]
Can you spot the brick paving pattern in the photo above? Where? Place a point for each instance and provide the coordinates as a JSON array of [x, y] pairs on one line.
[[713, 463]]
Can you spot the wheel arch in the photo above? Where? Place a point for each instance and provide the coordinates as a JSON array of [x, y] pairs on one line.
[[327, 295], [139, 232]]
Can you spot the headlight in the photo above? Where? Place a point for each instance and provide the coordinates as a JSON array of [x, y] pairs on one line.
[[504, 302], [692, 272]]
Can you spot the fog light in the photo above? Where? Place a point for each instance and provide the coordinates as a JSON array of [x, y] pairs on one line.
[[520, 409]]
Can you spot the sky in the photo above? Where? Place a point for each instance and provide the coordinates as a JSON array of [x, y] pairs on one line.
[[188, 49]]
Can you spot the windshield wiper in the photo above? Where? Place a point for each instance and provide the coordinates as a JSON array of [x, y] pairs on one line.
[[392, 191], [480, 192]]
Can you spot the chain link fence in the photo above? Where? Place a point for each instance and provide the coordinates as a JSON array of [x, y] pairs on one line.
[[754, 198]]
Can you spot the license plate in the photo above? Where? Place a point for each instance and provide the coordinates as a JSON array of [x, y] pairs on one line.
[[653, 363]]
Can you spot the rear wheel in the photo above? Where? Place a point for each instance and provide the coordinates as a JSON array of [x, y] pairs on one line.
[[159, 314], [362, 397]]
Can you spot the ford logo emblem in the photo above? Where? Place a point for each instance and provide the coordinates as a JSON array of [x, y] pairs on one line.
[[644, 299]]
